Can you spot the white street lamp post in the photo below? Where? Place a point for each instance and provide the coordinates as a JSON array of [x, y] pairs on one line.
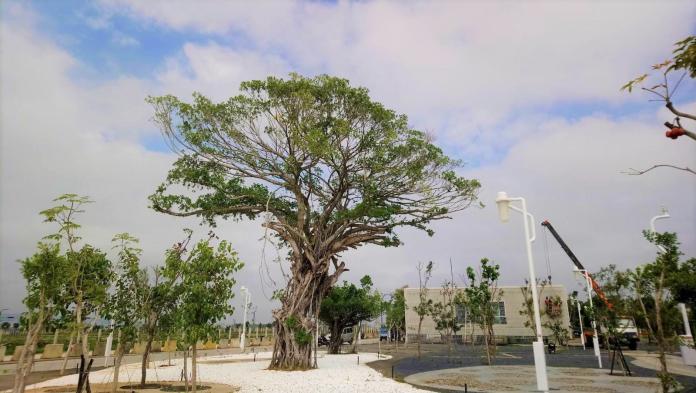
[[246, 306], [582, 331], [504, 204], [665, 214], [595, 338]]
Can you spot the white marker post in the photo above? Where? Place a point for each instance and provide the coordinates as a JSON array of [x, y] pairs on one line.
[[242, 338]]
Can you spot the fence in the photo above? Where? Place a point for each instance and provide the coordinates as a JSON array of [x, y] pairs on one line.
[[468, 339]]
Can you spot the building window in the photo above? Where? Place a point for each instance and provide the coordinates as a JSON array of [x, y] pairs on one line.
[[499, 313], [464, 315]]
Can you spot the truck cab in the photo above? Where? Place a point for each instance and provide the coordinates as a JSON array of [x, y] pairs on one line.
[[626, 332]]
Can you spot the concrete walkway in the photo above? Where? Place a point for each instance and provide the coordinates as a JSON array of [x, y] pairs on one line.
[[651, 360], [73, 362], [522, 379]]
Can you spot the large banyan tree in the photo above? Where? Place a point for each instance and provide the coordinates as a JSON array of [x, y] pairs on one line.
[[333, 169]]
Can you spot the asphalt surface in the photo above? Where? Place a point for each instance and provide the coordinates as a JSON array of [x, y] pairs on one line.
[[405, 361]]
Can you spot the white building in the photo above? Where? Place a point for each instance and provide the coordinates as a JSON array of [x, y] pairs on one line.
[[510, 322]]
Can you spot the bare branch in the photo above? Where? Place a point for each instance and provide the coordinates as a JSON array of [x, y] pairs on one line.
[[671, 107], [636, 172]]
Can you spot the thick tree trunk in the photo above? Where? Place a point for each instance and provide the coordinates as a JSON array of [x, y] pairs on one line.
[[336, 339], [294, 321], [288, 353]]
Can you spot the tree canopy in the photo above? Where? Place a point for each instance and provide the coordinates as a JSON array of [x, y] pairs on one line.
[[348, 305], [333, 168]]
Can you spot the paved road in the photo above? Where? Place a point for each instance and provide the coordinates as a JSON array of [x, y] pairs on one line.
[[435, 357]]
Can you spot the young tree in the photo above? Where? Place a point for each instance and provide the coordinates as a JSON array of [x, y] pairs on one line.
[[93, 279], [348, 305], [334, 170], [125, 304], [396, 314], [204, 285], [89, 272], [554, 312], [46, 274], [528, 303], [665, 264], [425, 305], [157, 302], [482, 298], [682, 283], [159, 299], [444, 314], [642, 290]]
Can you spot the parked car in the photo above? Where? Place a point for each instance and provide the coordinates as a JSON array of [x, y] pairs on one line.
[[347, 335]]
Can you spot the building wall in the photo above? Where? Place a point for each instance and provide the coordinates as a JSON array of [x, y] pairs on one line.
[[513, 301]]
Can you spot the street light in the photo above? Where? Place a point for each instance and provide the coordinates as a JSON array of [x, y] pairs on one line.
[[665, 214], [595, 339], [504, 206], [242, 338], [582, 331]]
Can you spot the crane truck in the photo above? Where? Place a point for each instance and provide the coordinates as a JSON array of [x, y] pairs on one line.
[[627, 332]]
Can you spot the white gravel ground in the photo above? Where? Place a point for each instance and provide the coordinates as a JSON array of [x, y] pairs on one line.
[[336, 373]]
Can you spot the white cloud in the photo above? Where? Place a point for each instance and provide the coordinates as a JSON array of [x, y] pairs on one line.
[[124, 39], [481, 59], [458, 69], [59, 136], [216, 70], [570, 174]]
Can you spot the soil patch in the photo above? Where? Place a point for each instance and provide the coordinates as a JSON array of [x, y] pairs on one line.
[[143, 387]]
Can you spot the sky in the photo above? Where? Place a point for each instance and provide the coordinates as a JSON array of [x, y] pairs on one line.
[[526, 94]]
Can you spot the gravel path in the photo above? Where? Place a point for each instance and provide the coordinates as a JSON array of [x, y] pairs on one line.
[[336, 373]]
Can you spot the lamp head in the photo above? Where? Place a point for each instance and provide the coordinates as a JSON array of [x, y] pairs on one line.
[[664, 211], [503, 203]]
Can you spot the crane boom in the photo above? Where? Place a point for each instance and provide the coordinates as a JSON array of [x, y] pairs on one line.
[[577, 263]]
